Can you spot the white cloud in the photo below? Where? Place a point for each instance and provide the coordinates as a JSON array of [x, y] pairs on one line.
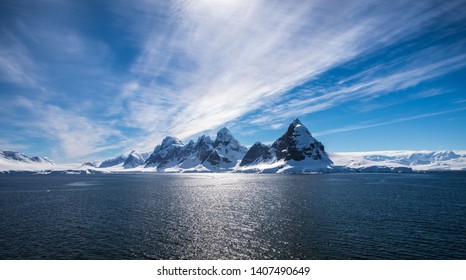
[[371, 83], [76, 135], [8, 146], [16, 65], [203, 64], [214, 62]]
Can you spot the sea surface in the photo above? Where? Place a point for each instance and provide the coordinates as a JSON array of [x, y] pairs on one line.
[[233, 216]]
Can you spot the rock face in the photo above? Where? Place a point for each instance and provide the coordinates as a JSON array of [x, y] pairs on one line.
[[257, 153], [227, 148], [113, 161], [298, 144], [133, 160], [204, 154], [166, 154], [296, 151]]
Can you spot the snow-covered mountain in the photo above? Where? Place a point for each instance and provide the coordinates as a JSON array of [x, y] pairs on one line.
[[204, 155], [15, 156], [134, 159], [17, 161], [113, 161], [399, 161], [167, 154], [296, 151], [91, 164]]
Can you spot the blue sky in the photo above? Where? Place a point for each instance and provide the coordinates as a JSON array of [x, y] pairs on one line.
[[87, 80]]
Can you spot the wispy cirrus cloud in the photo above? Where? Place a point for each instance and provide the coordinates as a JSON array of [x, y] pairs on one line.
[[42, 72], [16, 65], [124, 74], [369, 84], [370, 125], [217, 61], [75, 136]]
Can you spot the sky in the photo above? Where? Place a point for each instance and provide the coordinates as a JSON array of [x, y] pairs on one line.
[[88, 80]]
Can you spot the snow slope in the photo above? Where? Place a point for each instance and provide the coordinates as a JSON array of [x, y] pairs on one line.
[[204, 155], [415, 160], [379, 161], [17, 161], [296, 151], [14, 162]]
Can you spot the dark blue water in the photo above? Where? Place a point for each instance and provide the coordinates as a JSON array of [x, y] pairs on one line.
[[233, 216]]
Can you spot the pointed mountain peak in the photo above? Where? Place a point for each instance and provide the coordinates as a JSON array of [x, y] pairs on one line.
[[134, 153], [297, 128], [134, 159], [224, 131], [224, 136], [296, 122], [204, 138], [170, 140]]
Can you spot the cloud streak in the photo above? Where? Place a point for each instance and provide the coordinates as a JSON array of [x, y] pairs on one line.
[[76, 136], [144, 69], [399, 120], [16, 66], [217, 61], [371, 85]]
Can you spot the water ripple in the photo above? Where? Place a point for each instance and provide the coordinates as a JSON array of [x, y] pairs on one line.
[[233, 216]]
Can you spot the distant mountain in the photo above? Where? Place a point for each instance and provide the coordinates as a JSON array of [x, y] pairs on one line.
[[203, 155], [134, 159], [113, 161], [399, 161], [296, 151], [19, 157], [10, 160], [90, 164]]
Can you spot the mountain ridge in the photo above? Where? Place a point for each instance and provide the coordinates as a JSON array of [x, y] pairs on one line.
[[295, 151]]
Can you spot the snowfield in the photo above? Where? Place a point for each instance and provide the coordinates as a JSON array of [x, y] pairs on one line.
[[416, 160], [376, 161]]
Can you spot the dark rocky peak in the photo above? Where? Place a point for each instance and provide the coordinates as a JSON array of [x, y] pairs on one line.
[[170, 140], [296, 122], [224, 136], [168, 151], [257, 152], [297, 143], [203, 148], [204, 140]]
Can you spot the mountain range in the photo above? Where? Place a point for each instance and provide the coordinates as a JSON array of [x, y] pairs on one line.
[[296, 151]]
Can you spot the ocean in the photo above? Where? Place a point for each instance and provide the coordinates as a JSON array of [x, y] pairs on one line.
[[233, 216]]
